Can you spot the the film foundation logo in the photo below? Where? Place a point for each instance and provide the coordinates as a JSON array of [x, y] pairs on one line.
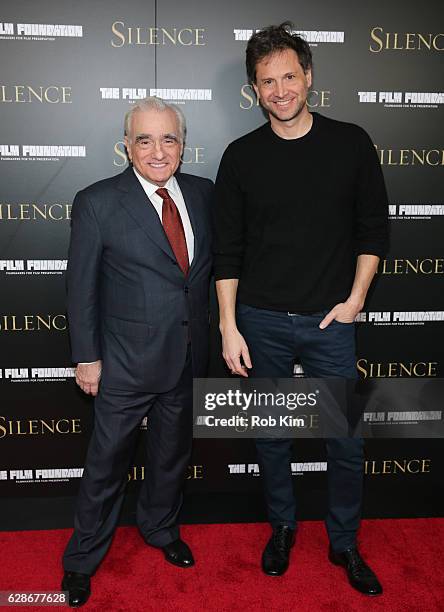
[[415, 212], [39, 31], [402, 99], [190, 155], [410, 157], [33, 267], [33, 322], [41, 94], [427, 266], [26, 211], [15, 152], [193, 472], [396, 369], [316, 98], [41, 475], [40, 374], [297, 469], [39, 427], [313, 37], [412, 417], [395, 467], [381, 40], [143, 35], [178, 96], [396, 318]]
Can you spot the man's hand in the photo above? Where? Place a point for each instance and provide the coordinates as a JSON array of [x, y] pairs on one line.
[[88, 376], [233, 348], [345, 312]]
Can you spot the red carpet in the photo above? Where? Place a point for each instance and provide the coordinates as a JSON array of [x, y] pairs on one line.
[[405, 554]]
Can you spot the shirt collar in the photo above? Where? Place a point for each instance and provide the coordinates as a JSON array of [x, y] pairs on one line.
[[150, 188]]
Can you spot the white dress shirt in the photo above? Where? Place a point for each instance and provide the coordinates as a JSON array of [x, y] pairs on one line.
[[174, 190]]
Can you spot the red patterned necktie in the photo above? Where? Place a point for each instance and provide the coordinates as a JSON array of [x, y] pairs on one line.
[[172, 225]]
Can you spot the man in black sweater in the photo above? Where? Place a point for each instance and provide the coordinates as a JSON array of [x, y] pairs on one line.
[[301, 222]]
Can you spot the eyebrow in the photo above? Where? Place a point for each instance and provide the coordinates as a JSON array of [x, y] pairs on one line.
[[145, 136], [270, 78]]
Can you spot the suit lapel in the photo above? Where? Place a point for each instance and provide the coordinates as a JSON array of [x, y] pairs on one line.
[[191, 196], [137, 204]]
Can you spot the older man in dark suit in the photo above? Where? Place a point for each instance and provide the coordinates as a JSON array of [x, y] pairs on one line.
[[138, 276]]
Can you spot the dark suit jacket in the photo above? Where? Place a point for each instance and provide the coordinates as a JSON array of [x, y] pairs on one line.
[[129, 303]]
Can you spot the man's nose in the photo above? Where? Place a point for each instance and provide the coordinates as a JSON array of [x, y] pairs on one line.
[[280, 89], [158, 151]]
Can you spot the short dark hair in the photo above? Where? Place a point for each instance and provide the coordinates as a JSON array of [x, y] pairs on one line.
[[274, 39]]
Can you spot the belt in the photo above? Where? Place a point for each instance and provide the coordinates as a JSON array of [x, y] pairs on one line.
[[307, 313]]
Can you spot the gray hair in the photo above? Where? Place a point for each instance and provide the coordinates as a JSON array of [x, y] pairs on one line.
[[153, 102]]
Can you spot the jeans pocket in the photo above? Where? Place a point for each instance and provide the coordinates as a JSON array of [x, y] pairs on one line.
[[343, 322]]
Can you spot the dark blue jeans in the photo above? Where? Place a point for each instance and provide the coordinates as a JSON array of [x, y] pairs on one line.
[[274, 340]]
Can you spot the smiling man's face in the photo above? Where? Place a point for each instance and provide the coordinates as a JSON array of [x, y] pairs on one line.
[[282, 85], [154, 144]]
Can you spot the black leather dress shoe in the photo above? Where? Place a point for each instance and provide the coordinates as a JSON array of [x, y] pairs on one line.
[[178, 553], [276, 555], [79, 588], [360, 576]]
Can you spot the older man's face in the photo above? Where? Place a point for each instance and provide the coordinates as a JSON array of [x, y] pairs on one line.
[[154, 145]]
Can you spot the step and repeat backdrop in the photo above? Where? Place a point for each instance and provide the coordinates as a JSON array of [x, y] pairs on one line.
[[69, 73]]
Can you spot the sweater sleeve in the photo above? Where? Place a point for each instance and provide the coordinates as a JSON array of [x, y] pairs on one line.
[[371, 212], [228, 220]]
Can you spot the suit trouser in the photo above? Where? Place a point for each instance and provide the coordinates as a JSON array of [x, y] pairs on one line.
[[274, 340], [118, 415]]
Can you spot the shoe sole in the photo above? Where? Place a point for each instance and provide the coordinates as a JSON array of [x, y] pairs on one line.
[[75, 605], [339, 564], [179, 564], [274, 575]]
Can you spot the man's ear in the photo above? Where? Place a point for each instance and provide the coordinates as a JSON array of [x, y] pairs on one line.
[[128, 148], [308, 76]]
